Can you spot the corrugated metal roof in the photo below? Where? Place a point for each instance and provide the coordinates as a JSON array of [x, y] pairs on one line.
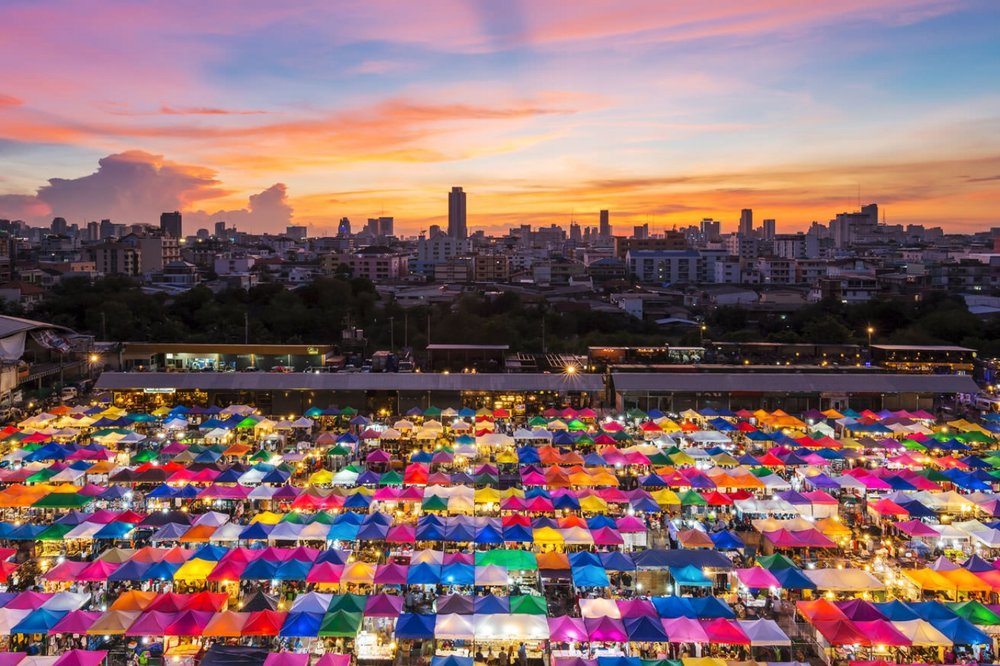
[[342, 381], [791, 383], [12, 325]]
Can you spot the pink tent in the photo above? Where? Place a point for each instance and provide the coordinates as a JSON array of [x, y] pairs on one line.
[[401, 534], [725, 632], [188, 623], [684, 630], [757, 578], [11, 658], [605, 629], [68, 570], [287, 659], [605, 536], [636, 608], [29, 600], [383, 605], [331, 659], [324, 572], [567, 629], [916, 528], [630, 524], [391, 574], [153, 623], [99, 570], [74, 622], [81, 658]]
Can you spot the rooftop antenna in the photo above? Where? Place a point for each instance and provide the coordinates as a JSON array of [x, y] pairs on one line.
[[859, 196]]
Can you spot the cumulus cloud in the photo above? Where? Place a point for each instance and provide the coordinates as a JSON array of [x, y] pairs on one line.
[[266, 211], [135, 187]]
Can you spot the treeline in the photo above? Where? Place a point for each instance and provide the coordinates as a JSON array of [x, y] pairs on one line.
[[116, 308]]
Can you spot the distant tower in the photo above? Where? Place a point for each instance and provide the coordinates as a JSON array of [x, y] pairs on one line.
[[344, 228], [746, 222], [170, 224], [605, 228], [456, 214], [770, 228]]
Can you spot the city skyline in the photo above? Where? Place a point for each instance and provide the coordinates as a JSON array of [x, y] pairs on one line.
[[543, 112]]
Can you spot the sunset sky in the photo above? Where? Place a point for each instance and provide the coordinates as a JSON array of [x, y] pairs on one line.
[[264, 113]]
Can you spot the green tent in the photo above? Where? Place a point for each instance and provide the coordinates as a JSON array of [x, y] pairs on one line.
[[249, 423], [434, 503], [294, 517], [636, 413], [659, 458], [63, 501], [54, 533], [348, 411], [340, 450], [42, 475], [348, 603], [261, 455], [975, 612], [392, 478], [776, 561], [528, 604], [433, 412], [691, 498], [323, 518], [576, 425], [144, 457], [537, 421], [512, 560], [340, 624]]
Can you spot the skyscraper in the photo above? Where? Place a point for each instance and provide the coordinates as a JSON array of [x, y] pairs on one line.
[[386, 226], [605, 228], [746, 222], [170, 224], [220, 229], [769, 229], [456, 214], [344, 228]]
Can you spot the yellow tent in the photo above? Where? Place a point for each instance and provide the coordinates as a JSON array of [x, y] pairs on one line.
[[358, 572], [548, 536], [833, 528], [593, 504], [321, 477], [195, 569], [267, 518], [665, 497], [487, 496], [928, 579]]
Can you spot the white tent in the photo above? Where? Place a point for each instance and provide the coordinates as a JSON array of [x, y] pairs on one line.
[[454, 627], [507, 627], [844, 580], [228, 532], [600, 608], [922, 633], [491, 575]]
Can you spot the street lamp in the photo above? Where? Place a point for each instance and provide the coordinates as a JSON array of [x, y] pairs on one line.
[[701, 335], [870, 330]]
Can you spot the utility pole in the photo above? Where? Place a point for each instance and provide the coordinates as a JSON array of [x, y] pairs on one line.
[[104, 326], [406, 328], [392, 334], [545, 349], [246, 327]]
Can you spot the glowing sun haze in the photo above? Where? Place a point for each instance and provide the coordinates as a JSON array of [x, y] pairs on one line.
[[262, 113]]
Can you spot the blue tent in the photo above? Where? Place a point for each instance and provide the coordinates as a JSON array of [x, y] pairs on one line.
[[161, 570], [528, 455], [896, 611], [301, 625], [260, 569], [491, 605], [793, 579], [932, 610], [617, 561], [584, 558], [599, 521], [114, 530], [423, 574], [343, 532], [452, 661], [372, 531], [210, 552], [645, 630], [411, 626], [256, 532], [38, 622], [458, 574], [689, 575], [130, 570], [459, 532], [674, 606], [726, 540], [961, 632], [488, 534], [518, 533], [566, 502], [712, 607], [293, 570], [333, 556], [590, 576], [26, 532]]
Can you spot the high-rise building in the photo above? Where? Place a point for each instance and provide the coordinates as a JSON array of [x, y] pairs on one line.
[[108, 230], [605, 226], [296, 231], [344, 228], [457, 227], [170, 224], [93, 231], [385, 226], [640, 231], [746, 223], [710, 229], [220, 229], [769, 229], [574, 232]]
